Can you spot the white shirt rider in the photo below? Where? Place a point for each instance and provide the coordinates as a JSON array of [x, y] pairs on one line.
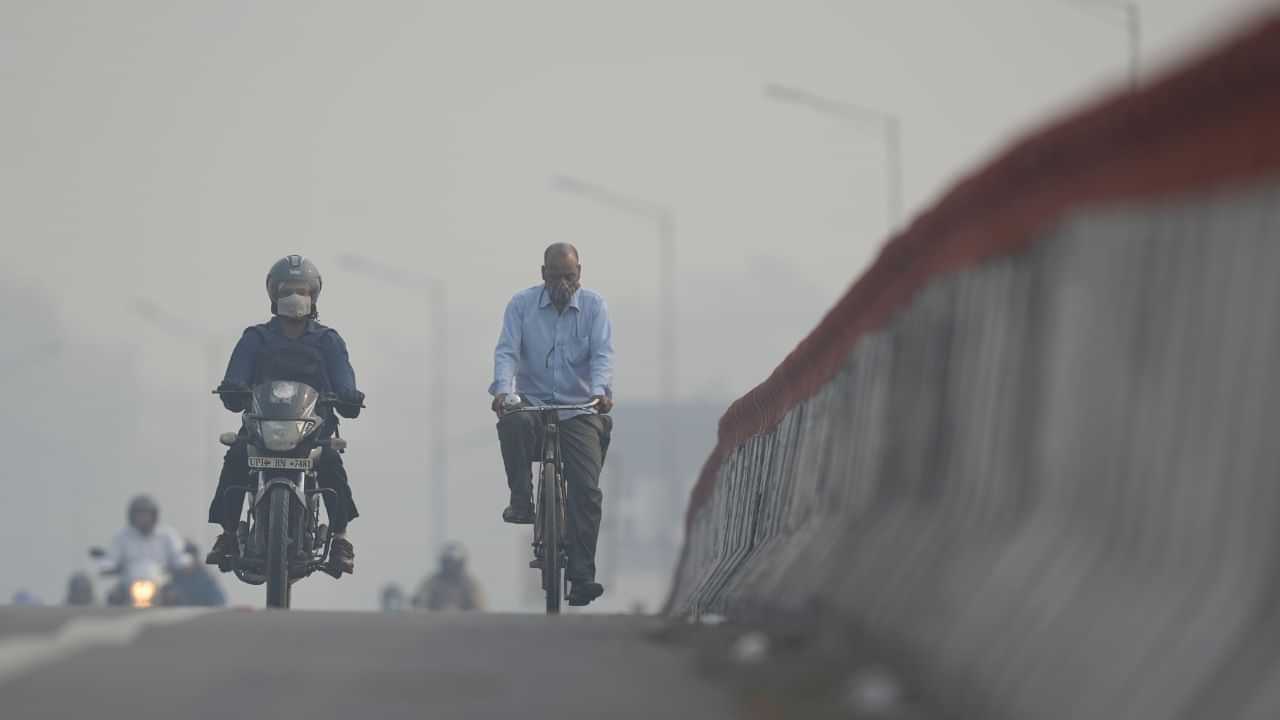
[[145, 542], [162, 547]]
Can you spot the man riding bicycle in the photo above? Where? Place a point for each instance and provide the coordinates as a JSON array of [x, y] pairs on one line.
[[556, 348]]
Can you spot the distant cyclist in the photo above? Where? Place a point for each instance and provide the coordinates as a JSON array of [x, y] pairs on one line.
[[556, 348]]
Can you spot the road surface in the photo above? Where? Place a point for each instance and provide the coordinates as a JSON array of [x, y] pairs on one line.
[[61, 663]]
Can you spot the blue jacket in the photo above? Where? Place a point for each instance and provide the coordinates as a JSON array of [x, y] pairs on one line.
[[268, 339]]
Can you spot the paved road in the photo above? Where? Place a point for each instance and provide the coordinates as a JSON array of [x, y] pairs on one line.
[[57, 663]]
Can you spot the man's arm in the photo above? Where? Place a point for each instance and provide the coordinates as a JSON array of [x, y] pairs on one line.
[[114, 556], [341, 374], [239, 373], [506, 356], [602, 358]]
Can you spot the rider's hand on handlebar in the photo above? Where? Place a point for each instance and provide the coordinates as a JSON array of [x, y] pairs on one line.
[[604, 403], [235, 397]]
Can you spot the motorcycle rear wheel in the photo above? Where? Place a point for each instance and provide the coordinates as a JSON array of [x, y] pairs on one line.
[[278, 549]]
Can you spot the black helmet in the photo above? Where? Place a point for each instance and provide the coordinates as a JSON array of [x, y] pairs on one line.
[[294, 267], [142, 503], [453, 558]]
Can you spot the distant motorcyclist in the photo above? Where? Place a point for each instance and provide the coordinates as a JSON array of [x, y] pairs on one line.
[[194, 585], [291, 346], [142, 542], [80, 590], [392, 598], [451, 587]]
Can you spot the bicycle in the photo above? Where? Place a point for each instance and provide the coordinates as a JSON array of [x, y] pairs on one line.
[[550, 552]]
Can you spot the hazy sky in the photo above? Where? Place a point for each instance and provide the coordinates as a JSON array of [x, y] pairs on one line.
[[172, 151]]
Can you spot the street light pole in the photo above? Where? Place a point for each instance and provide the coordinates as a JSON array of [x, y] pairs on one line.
[[664, 224], [889, 125], [1133, 17], [667, 347], [440, 423], [1133, 29], [437, 297]]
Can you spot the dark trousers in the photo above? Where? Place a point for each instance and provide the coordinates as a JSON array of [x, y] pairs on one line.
[[584, 442], [226, 506]]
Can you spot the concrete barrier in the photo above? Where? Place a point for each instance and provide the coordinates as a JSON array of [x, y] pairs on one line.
[[1036, 444]]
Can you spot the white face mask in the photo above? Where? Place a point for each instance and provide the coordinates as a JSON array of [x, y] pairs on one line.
[[293, 306]]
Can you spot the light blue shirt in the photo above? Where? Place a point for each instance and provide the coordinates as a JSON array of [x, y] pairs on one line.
[[554, 358]]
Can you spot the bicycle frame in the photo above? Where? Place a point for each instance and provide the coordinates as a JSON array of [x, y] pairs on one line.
[[550, 518]]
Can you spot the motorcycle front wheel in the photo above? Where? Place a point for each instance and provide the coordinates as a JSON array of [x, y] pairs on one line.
[[278, 548]]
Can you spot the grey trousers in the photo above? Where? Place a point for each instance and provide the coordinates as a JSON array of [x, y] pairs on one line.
[[584, 442]]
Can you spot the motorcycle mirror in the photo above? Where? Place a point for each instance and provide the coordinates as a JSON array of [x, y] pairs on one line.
[[97, 553], [227, 438]]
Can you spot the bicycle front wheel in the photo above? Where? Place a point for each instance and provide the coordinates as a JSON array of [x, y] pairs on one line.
[[552, 573]]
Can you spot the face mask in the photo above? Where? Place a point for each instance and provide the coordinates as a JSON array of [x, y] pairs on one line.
[[293, 306]]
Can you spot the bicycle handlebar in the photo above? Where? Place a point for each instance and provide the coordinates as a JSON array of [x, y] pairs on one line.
[[551, 408]]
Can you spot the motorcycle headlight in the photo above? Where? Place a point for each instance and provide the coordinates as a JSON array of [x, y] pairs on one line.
[[282, 435], [143, 592]]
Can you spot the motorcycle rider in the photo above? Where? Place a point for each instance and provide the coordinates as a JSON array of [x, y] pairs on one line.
[[80, 590], [290, 346], [451, 587], [392, 598], [143, 540]]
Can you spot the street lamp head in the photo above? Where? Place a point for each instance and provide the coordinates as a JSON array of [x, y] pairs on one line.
[[352, 262], [564, 183], [781, 92]]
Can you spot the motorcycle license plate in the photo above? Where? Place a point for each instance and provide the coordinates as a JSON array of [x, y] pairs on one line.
[[274, 463]]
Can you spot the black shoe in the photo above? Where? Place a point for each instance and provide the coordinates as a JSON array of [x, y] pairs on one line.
[[342, 557], [518, 513], [224, 550], [582, 593]]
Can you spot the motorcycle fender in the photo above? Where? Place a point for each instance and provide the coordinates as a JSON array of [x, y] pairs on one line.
[[294, 487]]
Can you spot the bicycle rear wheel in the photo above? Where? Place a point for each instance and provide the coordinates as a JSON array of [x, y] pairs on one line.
[[552, 572]]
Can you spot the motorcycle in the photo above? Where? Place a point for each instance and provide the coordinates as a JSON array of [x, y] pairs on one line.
[[283, 539], [142, 584]]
